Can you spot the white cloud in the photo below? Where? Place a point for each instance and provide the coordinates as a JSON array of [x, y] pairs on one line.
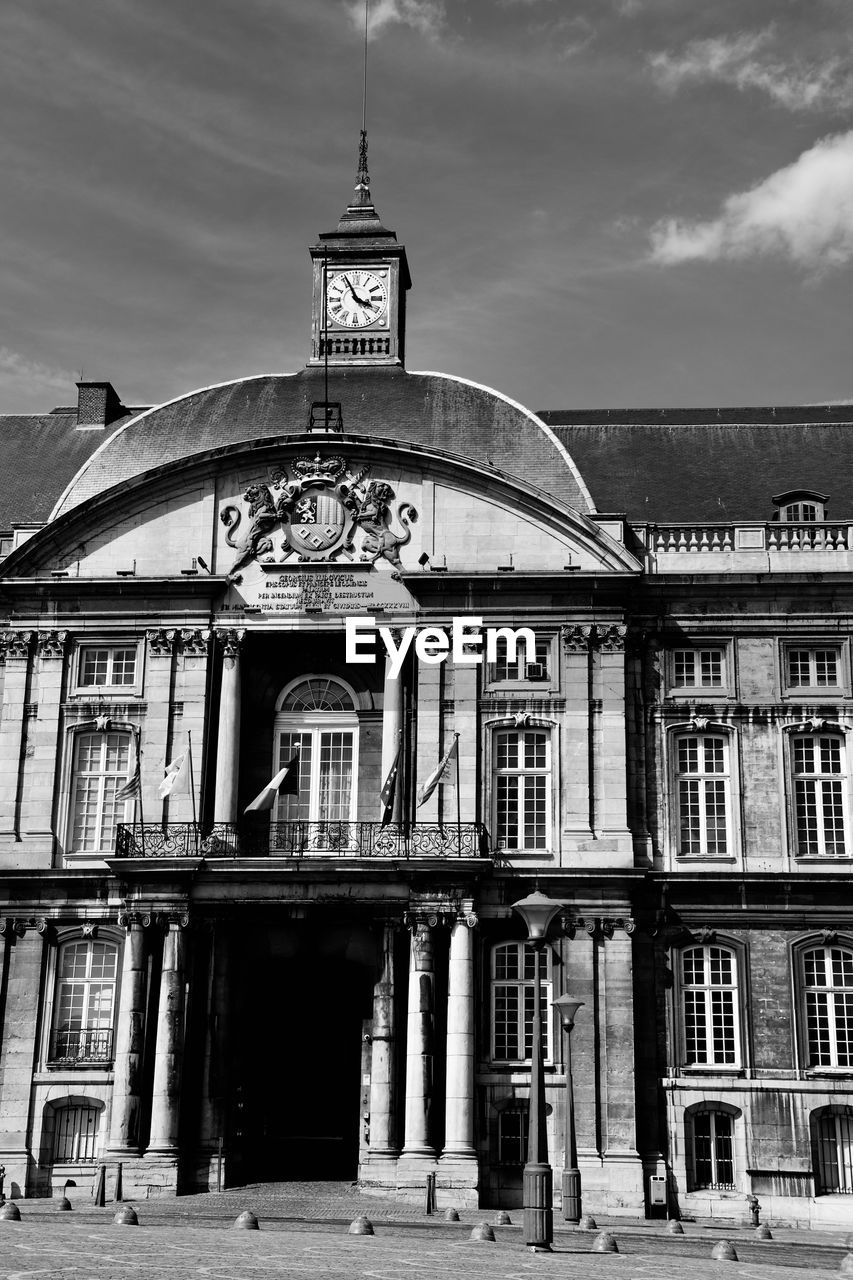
[[803, 212], [19, 375], [425, 16], [746, 62]]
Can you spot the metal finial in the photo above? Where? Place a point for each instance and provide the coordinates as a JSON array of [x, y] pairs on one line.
[[362, 180]]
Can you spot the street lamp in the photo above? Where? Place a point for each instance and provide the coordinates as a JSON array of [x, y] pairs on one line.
[[567, 1007], [537, 911]]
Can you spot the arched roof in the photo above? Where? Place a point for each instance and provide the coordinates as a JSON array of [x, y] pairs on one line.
[[428, 409]]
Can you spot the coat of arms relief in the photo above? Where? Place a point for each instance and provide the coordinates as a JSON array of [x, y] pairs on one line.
[[322, 507]]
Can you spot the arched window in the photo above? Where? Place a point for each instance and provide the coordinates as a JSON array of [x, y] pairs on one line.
[[710, 1146], [84, 1003], [317, 720], [827, 988], [513, 990], [523, 788], [75, 1133], [710, 1010], [100, 769], [832, 1147], [819, 767], [703, 791]]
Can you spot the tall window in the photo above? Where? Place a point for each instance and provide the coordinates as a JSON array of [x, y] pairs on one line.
[[703, 788], [317, 719], [523, 786], [710, 1006], [833, 1146], [828, 996], [713, 1149], [84, 1002], [698, 668], [820, 769], [100, 768], [76, 1133], [513, 993]]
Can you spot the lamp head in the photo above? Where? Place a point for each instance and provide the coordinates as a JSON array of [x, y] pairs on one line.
[[537, 911], [567, 1007]]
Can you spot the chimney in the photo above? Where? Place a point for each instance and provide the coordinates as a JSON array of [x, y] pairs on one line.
[[98, 404]]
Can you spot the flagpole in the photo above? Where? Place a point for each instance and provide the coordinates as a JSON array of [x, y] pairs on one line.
[[458, 802], [137, 808], [192, 785]]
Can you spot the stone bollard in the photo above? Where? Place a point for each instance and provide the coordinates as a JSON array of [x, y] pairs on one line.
[[588, 1223], [247, 1221], [451, 1215], [763, 1232], [674, 1228], [503, 1219], [10, 1212], [483, 1232], [605, 1242], [361, 1227], [126, 1217], [724, 1251], [64, 1204]]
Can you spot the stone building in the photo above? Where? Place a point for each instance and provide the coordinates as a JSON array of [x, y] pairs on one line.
[[338, 986]]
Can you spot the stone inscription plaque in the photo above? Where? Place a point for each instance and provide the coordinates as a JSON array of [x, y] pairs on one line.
[[334, 590]]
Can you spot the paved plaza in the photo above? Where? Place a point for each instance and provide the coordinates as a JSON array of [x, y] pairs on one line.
[[303, 1233]]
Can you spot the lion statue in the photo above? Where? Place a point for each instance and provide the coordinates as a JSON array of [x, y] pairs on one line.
[[374, 519], [262, 517]]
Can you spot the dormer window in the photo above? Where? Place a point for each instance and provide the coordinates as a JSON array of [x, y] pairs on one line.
[[800, 506]]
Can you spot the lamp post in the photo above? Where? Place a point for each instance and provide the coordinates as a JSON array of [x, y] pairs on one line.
[[568, 1006], [537, 911]]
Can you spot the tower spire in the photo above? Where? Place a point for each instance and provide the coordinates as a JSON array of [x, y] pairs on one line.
[[362, 178]]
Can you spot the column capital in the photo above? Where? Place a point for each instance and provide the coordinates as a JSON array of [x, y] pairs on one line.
[[611, 639], [231, 641], [161, 643], [51, 644], [16, 644], [195, 643], [576, 638]]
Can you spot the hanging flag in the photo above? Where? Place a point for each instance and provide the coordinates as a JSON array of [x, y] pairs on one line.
[[133, 787], [285, 783], [389, 790], [177, 775], [434, 778]]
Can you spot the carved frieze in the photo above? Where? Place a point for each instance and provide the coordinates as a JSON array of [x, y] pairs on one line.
[[319, 505]]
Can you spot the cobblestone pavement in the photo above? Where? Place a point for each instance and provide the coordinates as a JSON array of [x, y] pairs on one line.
[[303, 1235]]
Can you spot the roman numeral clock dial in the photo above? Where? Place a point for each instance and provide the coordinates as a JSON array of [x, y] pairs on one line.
[[356, 299]]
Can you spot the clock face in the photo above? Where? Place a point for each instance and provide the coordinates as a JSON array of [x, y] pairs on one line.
[[356, 298]]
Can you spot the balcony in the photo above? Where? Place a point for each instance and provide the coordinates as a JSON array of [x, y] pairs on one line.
[[81, 1047], [303, 839]]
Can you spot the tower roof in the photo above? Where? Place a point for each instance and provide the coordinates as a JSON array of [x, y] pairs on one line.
[[360, 220]]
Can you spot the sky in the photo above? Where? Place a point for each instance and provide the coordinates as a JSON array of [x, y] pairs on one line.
[[605, 203]]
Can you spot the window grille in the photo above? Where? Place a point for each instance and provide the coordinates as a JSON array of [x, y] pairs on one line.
[[513, 992], [698, 668], [703, 794], [834, 1149], [100, 767], [319, 694], [713, 1151], [828, 991], [819, 784], [523, 785], [76, 1133], [709, 993]]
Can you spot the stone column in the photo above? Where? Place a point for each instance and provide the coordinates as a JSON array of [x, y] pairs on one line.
[[621, 1158], [24, 949], [459, 1166], [578, 751], [158, 740], [383, 1148], [419, 1045], [214, 1083], [392, 724], [228, 740], [130, 1034], [17, 645], [168, 1056], [615, 845], [43, 739]]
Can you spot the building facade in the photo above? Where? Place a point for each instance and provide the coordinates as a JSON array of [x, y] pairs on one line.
[[338, 986]]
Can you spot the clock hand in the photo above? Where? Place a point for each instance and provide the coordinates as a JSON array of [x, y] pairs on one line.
[[362, 301]]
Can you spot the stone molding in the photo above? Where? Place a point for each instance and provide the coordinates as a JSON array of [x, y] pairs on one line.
[[597, 926], [231, 642], [16, 644], [52, 644], [196, 643], [610, 638], [161, 643]]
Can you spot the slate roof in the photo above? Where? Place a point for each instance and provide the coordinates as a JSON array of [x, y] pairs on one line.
[[670, 465], [39, 455], [431, 410]]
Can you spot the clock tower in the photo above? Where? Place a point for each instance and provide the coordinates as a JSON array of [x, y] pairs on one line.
[[360, 280]]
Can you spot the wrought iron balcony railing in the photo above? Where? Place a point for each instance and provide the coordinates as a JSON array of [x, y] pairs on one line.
[[82, 1045], [301, 839]]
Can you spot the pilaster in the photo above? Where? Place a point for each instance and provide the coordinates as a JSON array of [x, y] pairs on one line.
[[17, 646]]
